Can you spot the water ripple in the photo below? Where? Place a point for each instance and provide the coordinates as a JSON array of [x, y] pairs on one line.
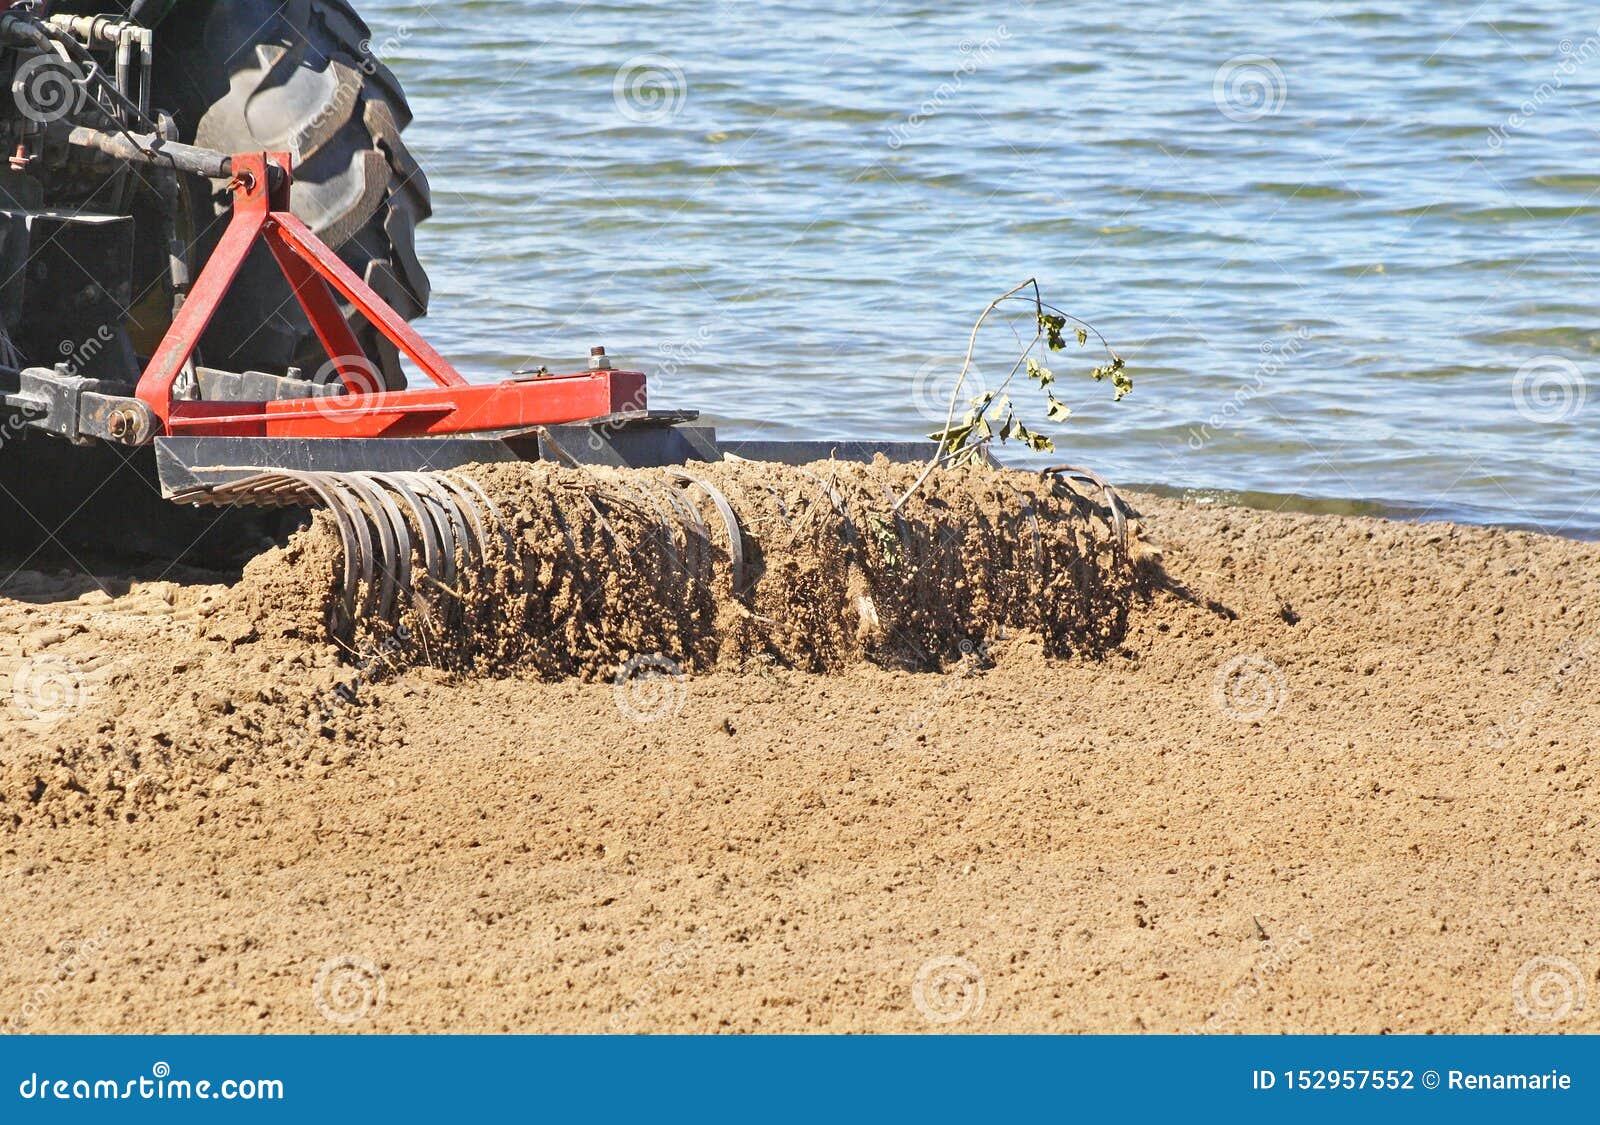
[[1330, 238]]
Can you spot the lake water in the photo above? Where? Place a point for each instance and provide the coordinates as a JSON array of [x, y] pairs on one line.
[[1349, 251]]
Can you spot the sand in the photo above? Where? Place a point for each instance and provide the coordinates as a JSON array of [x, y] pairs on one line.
[[1336, 776]]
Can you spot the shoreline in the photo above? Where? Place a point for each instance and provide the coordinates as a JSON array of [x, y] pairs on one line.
[[1394, 511]]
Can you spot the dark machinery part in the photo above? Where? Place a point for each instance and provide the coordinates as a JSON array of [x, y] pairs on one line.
[[99, 243], [297, 76]]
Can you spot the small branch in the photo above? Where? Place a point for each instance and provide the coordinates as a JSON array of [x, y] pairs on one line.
[[955, 394], [1084, 324], [1017, 366], [977, 432]]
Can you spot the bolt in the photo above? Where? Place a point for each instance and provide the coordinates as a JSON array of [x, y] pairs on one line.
[[129, 424]]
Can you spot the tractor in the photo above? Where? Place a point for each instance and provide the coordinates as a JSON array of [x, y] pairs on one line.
[[99, 252]]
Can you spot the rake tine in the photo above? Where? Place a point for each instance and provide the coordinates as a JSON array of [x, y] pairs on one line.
[[468, 507], [350, 501], [348, 541], [730, 519], [452, 530], [424, 526], [1119, 522], [395, 549], [494, 516], [403, 543], [694, 534]]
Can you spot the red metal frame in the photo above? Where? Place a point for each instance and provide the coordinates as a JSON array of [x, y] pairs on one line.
[[315, 273]]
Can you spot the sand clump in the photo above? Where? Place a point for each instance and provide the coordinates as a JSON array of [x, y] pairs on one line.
[[598, 566]]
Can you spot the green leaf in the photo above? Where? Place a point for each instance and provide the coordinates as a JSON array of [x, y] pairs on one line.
[[953, 438], [1039, 373], [1051, 325], [1058, 410], [1041, 444], [1083, 337], [888, 538], [1107, 369], [1120, 379]]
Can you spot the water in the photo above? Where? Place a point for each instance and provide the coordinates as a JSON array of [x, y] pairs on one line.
[[1337, 264]]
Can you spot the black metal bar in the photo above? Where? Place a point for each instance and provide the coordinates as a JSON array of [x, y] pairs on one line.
[[843, 449], [150, 149], [184, 463], [187, 463], [633, 447]]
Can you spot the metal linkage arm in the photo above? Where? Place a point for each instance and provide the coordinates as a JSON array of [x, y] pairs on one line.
[[261, 184]]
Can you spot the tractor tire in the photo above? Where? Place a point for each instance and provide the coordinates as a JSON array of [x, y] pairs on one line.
[[297, 77]]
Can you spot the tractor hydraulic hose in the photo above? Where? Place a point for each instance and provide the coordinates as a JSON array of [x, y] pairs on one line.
[[99, 28], [23, 30]]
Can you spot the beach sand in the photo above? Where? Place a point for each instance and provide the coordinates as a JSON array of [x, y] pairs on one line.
[[1337, 777]]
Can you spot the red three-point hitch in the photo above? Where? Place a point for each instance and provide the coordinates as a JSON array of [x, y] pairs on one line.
[[316, 274]]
